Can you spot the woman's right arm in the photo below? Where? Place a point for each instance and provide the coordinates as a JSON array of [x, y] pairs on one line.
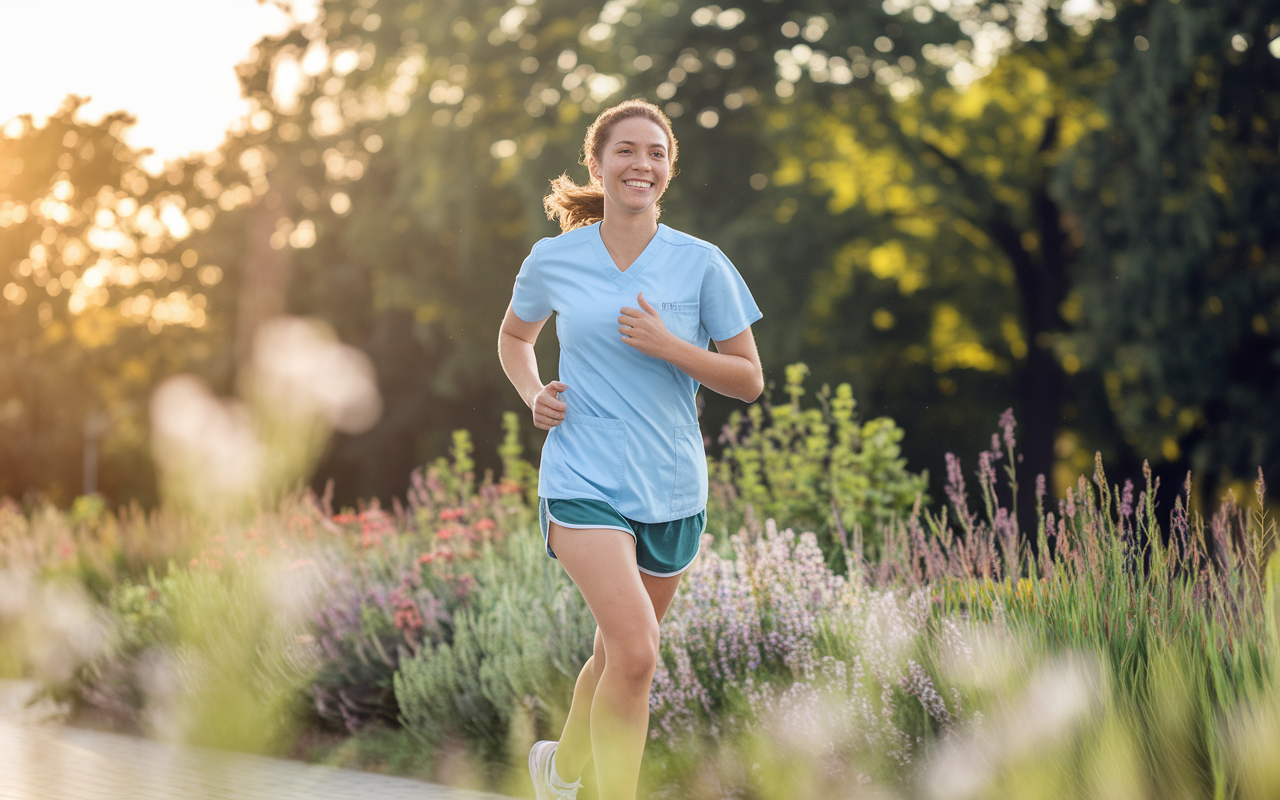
[[515, 351]]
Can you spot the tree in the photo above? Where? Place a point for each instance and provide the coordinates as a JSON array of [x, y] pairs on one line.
[[104, 296], [1178, 208]]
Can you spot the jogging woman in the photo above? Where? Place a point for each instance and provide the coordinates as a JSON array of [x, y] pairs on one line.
[[623, 480]]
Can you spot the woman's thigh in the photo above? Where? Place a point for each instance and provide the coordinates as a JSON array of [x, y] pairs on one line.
[[661, 591], [602, 563]]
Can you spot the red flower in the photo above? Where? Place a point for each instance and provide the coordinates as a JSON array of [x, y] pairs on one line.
[[408, 618], [344, 519], [486, 524]]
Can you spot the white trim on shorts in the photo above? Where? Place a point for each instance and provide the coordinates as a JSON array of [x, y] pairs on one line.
[[686, 566], [586, 527], [634, 539]]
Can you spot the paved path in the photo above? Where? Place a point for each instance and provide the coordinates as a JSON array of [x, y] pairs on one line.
[[40, 761]]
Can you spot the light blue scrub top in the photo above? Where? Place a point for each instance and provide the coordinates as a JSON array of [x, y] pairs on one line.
[[630, 436]]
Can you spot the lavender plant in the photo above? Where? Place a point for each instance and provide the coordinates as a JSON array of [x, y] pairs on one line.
[[513, 656], [1106, 577], [394, 596], [790, 643]]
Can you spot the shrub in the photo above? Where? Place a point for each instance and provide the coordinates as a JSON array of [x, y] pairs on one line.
[[393, 590], [818, 469], [516, 648], [206, 655]]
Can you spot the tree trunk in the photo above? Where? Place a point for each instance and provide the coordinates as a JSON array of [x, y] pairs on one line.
[[264, 290], [1041, 273]]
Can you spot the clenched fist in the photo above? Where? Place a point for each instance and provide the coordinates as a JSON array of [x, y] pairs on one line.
[[548, 408]]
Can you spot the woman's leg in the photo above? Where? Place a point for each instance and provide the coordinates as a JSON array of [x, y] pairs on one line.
[[574, 749], [603, 566]]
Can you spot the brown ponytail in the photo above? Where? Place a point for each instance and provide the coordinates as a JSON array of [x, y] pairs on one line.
[[574, 206]]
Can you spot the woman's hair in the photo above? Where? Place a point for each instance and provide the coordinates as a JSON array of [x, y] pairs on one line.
[[574, 206]]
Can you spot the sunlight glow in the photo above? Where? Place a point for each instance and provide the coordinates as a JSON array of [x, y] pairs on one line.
[[171, 64]]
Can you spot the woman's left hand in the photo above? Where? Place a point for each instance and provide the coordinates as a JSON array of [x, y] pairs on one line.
[[643, 329]]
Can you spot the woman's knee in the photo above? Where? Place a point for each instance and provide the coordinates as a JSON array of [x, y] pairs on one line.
[[635, 657]]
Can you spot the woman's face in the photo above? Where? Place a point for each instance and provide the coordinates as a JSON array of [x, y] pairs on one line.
[[633, 168]]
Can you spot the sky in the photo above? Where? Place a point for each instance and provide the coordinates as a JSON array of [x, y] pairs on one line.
[[170, 63]]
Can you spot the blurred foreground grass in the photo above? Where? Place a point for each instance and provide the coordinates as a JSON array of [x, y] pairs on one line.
[[946, 655]]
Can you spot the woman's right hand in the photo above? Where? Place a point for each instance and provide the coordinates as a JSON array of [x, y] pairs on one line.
[[548, 408]]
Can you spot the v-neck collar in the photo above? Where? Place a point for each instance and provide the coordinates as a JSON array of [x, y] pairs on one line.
[[623, 277]]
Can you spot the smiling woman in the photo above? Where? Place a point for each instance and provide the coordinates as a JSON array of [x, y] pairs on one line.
[[623, 480], [111, 51]]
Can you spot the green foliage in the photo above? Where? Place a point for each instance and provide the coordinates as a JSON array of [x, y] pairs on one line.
[[1124, 653], [87, 259], [201, 656], [517, 647], [1175, 201], [822, 469], [516, 471]]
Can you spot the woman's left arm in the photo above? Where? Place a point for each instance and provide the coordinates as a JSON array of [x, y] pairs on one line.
[[733, 370]]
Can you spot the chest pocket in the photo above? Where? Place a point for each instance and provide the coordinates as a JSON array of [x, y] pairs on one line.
[[682, 319]]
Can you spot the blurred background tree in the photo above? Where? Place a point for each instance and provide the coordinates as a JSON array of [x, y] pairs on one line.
[[105, 296], [954, 206]]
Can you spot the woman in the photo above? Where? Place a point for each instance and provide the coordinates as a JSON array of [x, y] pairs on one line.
[[623, 478]]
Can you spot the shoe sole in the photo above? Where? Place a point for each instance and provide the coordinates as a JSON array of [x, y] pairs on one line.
[[538, 792]]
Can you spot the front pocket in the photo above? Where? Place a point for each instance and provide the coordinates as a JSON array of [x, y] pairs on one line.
[[594, 451], [690, 491], [682, 319]]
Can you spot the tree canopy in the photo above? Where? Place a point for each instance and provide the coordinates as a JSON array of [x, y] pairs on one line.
[[956, 206]]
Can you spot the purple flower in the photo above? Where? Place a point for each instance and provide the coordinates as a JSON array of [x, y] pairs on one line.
[[1007, 424]]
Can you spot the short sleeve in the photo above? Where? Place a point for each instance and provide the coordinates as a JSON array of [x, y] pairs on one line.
[[529, 299], [725, 303]]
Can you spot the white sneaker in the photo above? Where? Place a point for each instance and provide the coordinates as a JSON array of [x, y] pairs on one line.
[[540, 769]]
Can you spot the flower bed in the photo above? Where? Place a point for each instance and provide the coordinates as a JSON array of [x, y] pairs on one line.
[[937, 652]]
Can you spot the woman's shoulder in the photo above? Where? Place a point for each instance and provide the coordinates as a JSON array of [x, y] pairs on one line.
[[567, 241], [681, 239]]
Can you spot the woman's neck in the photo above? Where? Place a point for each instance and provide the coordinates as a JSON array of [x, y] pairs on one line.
[[626, 236]]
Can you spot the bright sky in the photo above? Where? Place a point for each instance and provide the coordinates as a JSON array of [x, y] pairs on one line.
[[168, 62]]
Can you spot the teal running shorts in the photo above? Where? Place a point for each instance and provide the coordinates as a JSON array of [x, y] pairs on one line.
[[663, 549]]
